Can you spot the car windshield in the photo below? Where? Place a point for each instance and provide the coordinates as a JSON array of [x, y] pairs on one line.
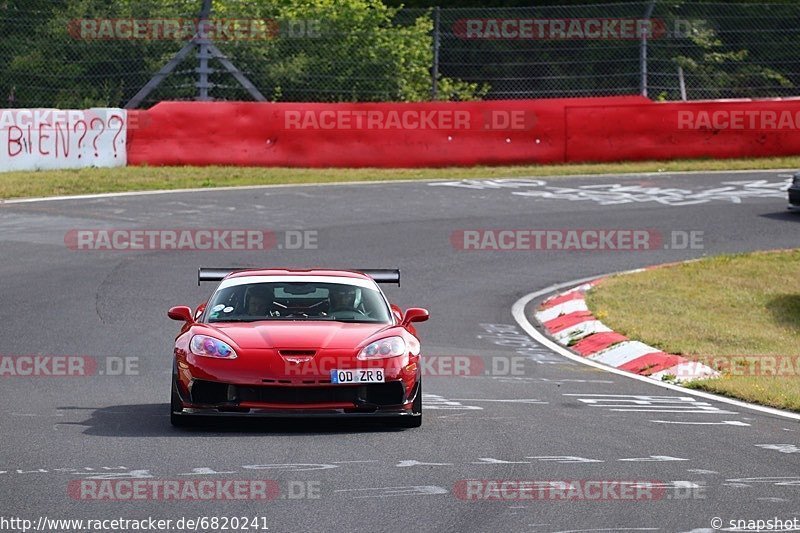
[[293, 300]]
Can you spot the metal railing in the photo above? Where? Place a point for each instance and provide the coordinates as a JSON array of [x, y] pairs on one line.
[[135, 53]]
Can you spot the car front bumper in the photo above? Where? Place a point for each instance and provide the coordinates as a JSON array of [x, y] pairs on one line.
[[794, 197], [356, 401], [295, 413]]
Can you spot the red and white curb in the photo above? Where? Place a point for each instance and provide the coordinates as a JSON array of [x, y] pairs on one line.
[[524, 320], [566, 317]]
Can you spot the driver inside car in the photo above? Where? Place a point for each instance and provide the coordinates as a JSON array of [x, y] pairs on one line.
[[343, 298], [258, 300]]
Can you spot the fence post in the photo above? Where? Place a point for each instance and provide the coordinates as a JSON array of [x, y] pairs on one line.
[[207, 51], [203, 54], [435, 69], [643, 50]]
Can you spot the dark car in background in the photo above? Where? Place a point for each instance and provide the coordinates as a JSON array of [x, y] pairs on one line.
[[794, 192]]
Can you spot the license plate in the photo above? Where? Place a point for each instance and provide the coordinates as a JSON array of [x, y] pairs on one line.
[[370, 375]]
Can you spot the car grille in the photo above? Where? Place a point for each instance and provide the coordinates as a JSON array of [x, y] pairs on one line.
[[302, 353], [381, 394]]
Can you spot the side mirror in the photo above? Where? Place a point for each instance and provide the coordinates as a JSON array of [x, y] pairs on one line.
[[415, 314], [181, 312]]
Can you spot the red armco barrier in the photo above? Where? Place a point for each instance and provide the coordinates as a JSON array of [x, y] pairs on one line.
[[683, 130], [458, 134], [279, 134]]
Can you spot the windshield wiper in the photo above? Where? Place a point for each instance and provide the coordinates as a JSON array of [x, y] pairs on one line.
[[359, 321], [217, 320]]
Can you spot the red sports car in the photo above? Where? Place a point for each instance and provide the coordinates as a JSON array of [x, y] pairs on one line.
[[297, 343]]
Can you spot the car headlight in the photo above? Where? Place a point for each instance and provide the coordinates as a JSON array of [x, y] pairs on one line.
[[388, 347], [206, 346]]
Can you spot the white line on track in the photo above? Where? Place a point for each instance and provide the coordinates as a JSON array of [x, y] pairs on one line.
[[518, 311], [522, 400], [205, 189], [723, 423], [381, 182], [615, 529]]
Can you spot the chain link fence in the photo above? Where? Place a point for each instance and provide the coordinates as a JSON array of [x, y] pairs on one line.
[[134, 53]]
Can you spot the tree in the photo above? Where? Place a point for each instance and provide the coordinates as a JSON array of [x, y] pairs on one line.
[[345, 50]]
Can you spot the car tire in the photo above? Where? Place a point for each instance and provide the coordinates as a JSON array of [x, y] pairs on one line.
[[176, 419], [415, 420]]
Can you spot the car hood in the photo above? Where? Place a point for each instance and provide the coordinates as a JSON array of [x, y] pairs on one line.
[[299, 334]]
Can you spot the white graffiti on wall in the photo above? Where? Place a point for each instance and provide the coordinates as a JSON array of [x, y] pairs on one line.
[[620, 193], [36, 139]]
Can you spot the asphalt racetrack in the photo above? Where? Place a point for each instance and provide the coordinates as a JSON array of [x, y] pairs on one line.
[[547, 419]]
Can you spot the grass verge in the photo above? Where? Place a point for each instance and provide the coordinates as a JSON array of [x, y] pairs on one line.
[[101, 180], [740, 313]]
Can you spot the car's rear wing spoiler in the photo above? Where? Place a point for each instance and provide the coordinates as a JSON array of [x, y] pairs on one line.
[[383, 275], [379, 275], [215, 274]]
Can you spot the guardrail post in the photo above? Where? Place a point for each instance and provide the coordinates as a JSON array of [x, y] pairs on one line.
[[643, 50], [436, 42], [203, 54]]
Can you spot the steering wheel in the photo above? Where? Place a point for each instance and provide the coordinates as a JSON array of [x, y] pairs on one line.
[[349, 315], [293, 314]]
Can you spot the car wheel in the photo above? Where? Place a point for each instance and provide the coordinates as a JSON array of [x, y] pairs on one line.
[[416, 408], [175, 406]]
